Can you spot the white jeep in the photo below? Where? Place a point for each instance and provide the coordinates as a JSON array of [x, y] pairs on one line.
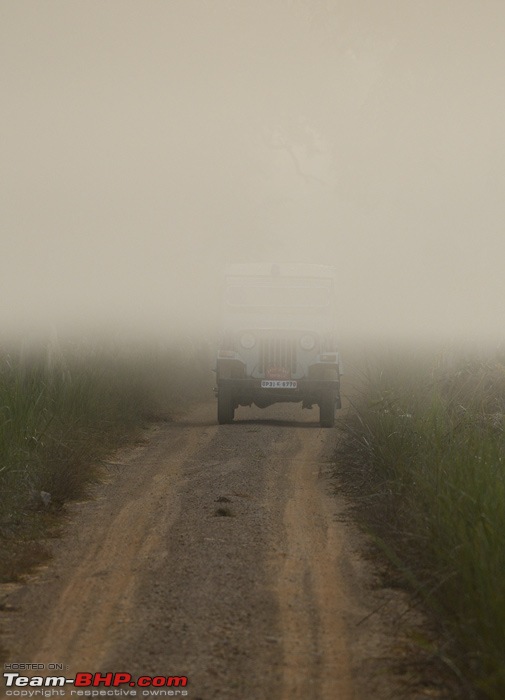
[[278, 339]]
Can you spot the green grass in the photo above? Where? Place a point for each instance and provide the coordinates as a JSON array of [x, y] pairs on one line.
[[62, 411], [425, 443]]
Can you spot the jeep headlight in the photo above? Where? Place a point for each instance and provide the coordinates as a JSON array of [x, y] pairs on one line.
[[307, 342], [247, 340]]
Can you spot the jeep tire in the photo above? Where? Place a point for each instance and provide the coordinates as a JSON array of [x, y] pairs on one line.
[[327, 411], [225, 407]]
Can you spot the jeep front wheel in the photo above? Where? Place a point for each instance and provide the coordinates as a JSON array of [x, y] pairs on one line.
[[225, 407], [327, 412]]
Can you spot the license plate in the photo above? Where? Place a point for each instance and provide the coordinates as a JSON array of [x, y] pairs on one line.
[[278, 384]]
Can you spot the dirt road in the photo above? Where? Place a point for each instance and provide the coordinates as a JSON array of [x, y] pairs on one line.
[[215, 552]]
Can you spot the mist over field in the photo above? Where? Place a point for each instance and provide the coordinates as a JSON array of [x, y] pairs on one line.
[[146, 144]]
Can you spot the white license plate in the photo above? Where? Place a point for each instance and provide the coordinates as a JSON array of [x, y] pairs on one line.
[[278, 384]]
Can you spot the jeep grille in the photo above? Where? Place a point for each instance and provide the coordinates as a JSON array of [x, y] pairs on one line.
[[277, 352]]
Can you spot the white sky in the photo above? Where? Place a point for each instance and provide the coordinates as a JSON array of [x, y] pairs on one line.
[[143, 144]]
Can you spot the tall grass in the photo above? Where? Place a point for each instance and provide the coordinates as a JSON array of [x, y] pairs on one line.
[[61, 410], [426, 438]]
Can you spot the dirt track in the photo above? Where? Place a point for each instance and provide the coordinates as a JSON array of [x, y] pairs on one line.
[[216, 552]]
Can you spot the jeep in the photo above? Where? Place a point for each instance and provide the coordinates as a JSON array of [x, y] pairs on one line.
[[278, 339]]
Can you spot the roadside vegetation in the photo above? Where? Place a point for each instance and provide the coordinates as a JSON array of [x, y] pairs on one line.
[[63, 409], [424, 451]]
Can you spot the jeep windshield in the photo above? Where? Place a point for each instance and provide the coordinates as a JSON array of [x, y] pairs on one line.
[[279, 294]]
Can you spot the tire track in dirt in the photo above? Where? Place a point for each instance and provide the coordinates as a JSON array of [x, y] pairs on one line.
[[311, 592]]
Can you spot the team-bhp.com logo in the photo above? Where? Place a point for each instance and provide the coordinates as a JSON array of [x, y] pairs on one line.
[[95, 685]]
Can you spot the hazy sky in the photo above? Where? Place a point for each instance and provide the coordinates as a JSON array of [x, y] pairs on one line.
[[144, 144]]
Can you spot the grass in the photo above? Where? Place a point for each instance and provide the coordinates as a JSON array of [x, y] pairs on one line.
[[425, 447], [62, 410]]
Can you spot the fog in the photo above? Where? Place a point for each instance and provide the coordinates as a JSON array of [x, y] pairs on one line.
[[144, 145]]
